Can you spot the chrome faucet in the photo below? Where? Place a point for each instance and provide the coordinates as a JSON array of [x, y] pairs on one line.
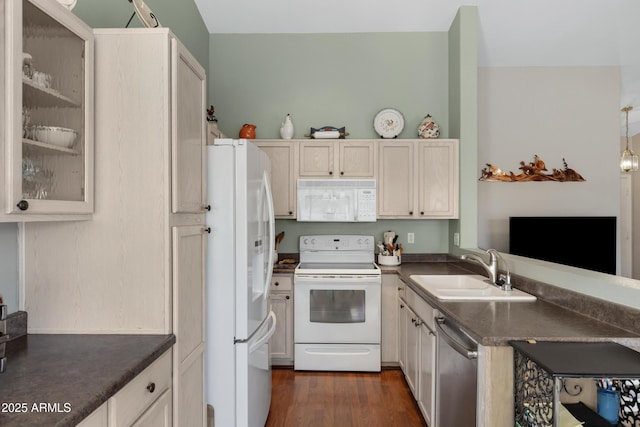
[[504, 282]]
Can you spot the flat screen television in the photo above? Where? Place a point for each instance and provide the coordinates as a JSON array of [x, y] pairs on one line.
[[580, 241]]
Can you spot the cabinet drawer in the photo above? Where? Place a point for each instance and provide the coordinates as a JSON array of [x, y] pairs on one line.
[[130, 402], [419, 306], [282, 282]]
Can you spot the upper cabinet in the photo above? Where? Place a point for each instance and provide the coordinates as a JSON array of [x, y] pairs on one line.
[[47, 122], [284, 171], [438, 178], [337, 158], [418, 179], [189, 84]]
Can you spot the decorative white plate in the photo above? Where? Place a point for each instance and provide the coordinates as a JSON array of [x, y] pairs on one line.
[[388, 123], [145, 14]]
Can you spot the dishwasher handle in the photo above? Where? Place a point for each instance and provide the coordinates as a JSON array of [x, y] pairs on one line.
[[469, 353]]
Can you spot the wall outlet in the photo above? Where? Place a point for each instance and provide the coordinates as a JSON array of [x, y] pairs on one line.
[[456, 239], [411, 237]]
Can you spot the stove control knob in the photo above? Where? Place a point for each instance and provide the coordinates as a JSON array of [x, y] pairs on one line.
[[313, 241], [305, 241]]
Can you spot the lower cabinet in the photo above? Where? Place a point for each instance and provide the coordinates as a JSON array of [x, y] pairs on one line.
[[98, 418], [417, 350], [389, 331], [281, 299], [412, 336], [144, 401], [426, 373]]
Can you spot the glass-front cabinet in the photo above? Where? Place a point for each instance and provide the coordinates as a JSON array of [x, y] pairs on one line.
[[48, 119]]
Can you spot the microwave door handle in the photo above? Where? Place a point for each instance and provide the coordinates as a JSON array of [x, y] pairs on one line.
[[271, 235]]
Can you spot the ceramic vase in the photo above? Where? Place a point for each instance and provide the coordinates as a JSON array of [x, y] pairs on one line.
[[428, 128], [248, 131], [286, 128]]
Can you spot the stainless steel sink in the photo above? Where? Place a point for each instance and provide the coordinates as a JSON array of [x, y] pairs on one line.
[[467, 288]]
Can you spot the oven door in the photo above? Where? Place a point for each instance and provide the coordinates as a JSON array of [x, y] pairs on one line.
[[337, 309]]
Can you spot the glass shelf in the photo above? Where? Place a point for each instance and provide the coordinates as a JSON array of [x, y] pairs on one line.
[[53, 149], [34, 94]]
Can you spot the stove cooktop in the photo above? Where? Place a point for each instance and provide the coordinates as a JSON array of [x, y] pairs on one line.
[[338, 269], [336, 266]]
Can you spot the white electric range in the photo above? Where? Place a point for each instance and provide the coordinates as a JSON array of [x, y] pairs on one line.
[[337, 305]]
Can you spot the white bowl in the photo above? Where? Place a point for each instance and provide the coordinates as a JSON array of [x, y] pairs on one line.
[[54, 135], [389, 259]]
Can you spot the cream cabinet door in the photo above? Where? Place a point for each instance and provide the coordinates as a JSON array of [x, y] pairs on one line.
[[412, 336], [281, 299], [284, 165], [396, 179], [438, 178], [48, 114], [426, 380], [188, 325], [402, 334], [357, 159], [389, 337], [188, 139], [98, 418], [158, 415], [317, 159], [281, 343]]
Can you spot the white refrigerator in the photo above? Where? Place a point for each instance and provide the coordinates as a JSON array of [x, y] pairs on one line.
[[239, 266]]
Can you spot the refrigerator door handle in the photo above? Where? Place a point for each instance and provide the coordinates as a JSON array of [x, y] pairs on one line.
[[271, 237], [254, 346]]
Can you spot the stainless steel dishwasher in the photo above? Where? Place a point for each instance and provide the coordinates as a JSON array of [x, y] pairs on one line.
[[456, 375]]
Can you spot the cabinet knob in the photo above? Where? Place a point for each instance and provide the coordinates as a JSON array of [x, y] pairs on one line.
[[151, 387], [330, 172], [410, 212], [276, 284], [287, 297], [206, 230], [290, 212], [23, 205], [341, 172], [206, 208], [401, 305], [421, 212]]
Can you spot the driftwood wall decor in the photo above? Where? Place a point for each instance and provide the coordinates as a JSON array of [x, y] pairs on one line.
[[534, 171]]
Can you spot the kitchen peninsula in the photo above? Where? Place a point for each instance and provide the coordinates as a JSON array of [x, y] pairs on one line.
[[556, 315]]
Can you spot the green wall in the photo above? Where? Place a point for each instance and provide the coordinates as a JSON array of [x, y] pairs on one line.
[[431, 236], [327, 80], [182, 17], [463, 119], [334, 80]]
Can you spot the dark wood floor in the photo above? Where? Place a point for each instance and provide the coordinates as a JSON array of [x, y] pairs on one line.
[[336, 399]]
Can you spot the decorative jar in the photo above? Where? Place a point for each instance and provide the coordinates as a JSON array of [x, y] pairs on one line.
[[428, 128]]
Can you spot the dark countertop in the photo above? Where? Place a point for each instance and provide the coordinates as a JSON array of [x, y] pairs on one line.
[[73, 374], [496, 323]]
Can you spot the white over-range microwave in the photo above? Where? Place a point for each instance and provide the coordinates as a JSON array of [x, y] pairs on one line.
[[337, 200]]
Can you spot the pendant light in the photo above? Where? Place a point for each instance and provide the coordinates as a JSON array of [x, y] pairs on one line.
[[629, 160]]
